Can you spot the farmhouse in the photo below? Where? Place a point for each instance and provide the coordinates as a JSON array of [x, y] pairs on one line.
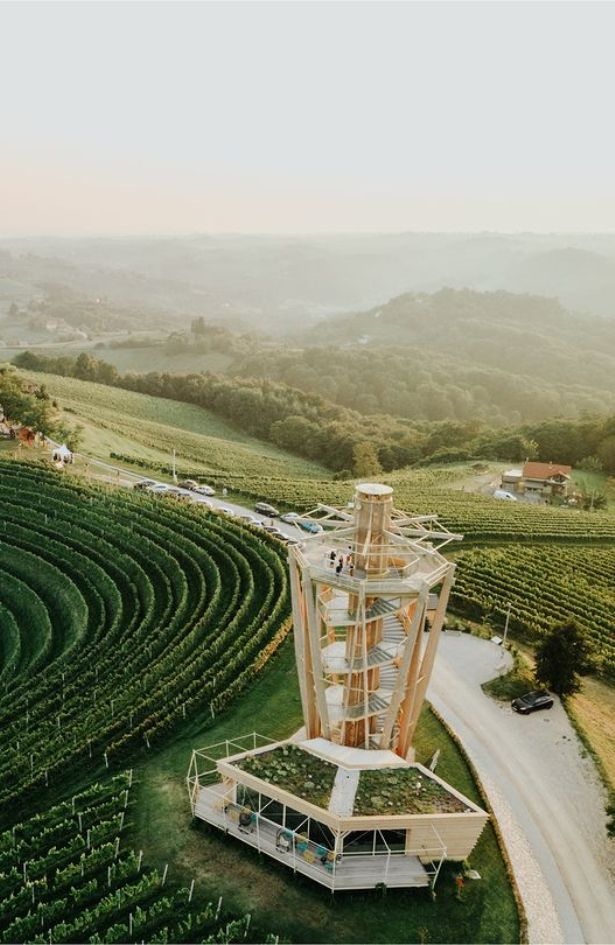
[[344, 801], [539, 479]]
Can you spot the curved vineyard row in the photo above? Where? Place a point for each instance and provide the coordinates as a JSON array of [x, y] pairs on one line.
[[67, 876], [121, 616], [545, 586]]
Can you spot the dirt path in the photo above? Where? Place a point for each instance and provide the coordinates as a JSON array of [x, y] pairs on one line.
[[545, 793]]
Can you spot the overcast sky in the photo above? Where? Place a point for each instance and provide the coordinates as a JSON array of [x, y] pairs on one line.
[[303, 117]]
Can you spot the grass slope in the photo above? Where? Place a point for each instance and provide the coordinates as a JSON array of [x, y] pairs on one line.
[[297, 909], [149, 428]]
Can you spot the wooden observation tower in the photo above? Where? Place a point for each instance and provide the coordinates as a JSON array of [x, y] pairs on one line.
[[363, 597]]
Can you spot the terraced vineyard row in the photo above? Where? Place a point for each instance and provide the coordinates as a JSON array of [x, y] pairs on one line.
[[545, 586], [66, 875], [121, 616]]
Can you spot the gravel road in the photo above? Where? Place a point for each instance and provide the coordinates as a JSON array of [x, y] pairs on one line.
[[545, 793]]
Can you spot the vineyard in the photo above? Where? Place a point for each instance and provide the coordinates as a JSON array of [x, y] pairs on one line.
[[545, 587], [121, 617], [67, 875]]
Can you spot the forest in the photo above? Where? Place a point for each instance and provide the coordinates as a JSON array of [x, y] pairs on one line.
[[342, 439]]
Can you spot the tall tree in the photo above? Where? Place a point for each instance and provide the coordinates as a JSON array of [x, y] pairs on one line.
[[365, 460], [562, 657]]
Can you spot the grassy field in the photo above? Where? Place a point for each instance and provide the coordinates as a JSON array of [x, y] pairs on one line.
[[138, 359], [291, 906], [596, 482], [594, 708]]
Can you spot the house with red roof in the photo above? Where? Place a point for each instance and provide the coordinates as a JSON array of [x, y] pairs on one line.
[[547, 479]]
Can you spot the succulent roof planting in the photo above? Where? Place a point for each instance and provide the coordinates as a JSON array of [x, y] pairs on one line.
[[403, 791], [295, 770]]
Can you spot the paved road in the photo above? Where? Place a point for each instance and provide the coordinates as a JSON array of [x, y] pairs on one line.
[[546, 795], [125, 477]]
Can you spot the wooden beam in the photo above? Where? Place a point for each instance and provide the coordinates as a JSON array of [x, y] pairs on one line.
[[404, 669], [310, 590], [429, 655]]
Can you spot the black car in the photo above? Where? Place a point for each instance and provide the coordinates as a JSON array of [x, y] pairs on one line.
[[532, 702]]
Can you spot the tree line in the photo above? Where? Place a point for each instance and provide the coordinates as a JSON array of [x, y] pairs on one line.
[[347, 442]]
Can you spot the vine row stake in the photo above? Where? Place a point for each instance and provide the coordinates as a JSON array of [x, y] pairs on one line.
[[109, 876], [80, 819], [219, 908], [140, 861], [130, 778], [164, 875], [130, 924], [117, 847], [191, 893], [106, 760]]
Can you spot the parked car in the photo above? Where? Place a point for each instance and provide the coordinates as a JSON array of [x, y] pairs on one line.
[[503, 494], [532, 702], [191, 484], [289, 517], [265, 509], [270, 528], [250, 520], [277, 533], [203, 490], [158, 488], [312, 527], [144, 484], [173, 492]]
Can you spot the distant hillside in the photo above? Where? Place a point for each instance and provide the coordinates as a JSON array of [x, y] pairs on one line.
[[454, 354], [277, 283]]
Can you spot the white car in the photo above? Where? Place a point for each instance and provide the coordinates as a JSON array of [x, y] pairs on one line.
[[289, 517], [250, 520], [204, 490], [158, 489], [503, 494]]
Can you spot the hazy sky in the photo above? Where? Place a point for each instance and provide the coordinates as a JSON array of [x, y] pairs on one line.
[[294, 117]]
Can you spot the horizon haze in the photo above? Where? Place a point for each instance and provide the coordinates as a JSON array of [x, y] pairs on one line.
[[146, 119]]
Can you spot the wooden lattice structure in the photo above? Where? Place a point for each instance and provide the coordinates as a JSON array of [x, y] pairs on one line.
[[361, 591]]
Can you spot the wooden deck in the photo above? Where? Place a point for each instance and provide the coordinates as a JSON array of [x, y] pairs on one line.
[[351, 871]]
